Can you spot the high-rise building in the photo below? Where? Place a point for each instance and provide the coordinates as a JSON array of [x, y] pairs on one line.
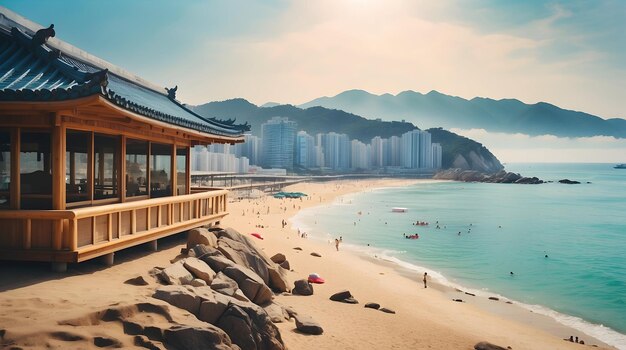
[[336, 150], [377, 152], [359, 158], [409, 151], [425, 150], [394, 151], [250, 148], [305, 150], [437, 155], [278, 141]]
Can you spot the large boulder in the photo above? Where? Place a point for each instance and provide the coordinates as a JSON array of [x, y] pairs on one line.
[[212, 307], [224, 284], [243, 250], [175, 274], [201, 235], [216, 260], [303, 287], [276, 312], [250, 327], [208, 337], [183, 297], [306, 324], [199, 269], [250, 283]]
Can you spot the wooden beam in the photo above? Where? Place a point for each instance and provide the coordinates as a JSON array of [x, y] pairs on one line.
[[73, 232], [173, 171]]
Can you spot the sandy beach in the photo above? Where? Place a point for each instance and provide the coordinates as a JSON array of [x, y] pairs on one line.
[[36, 305]]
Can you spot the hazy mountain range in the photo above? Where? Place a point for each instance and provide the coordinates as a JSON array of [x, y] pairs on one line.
[[507, 115], [457, 151]]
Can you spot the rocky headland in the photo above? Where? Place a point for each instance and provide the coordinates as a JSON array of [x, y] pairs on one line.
[[501, 176]]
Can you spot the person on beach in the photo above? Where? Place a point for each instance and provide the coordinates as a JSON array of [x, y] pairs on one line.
[[425, 275], [337, 244]]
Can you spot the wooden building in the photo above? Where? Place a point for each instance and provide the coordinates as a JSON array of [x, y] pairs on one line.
[[92, 159]]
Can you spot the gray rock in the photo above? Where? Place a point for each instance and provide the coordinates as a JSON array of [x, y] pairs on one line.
[[239, 295], [209, 337], [250, 327], [372, 306], [201, 250], [199, 269], [340, 296], [302, 287], [278, 279], [494, 298], [175, 274], [306, 324], [278, 258], [201, 236], [183, 297], [217, 263], [276, 312], [285, 265], [250, 283], [136, 281], [196, 282], [389, 311], [483, 345], [297, 248], [242, 250], [224, 284], [316, 254], [212, 307]]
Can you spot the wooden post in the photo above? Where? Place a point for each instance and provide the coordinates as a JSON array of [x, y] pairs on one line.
[[110, 226], [90, 168], [159, 215], [148, 218], [188, 169], [58, 179], [174, 172], [15, 168], [122, 173], [133, 221], [93, 229], [73, 232]]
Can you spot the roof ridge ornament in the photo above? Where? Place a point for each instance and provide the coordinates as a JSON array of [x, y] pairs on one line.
[[42, 35], [100, 77], [171, 93]]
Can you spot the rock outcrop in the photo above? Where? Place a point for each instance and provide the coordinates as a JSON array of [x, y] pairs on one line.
[[502, 176]]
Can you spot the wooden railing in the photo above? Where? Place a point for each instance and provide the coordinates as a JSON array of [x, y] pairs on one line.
[[84, 233]]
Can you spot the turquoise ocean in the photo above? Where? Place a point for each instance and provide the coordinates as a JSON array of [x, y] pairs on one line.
[[504, 228]]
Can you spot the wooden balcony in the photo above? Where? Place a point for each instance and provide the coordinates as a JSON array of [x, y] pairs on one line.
[[76, 235]]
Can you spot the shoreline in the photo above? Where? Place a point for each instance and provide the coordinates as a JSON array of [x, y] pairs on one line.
[[544, 317], [35, 304], [515, 313]]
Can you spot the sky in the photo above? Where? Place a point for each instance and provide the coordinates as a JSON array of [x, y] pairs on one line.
[[569, 53]]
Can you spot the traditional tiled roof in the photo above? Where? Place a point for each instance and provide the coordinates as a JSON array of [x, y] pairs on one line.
[[30, 70]]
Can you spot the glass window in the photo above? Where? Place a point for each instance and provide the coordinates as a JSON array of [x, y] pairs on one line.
[[5, 168], [161, 170], [136, 168], [35, 170], [76, 165], [181, 171], [106, 166]]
